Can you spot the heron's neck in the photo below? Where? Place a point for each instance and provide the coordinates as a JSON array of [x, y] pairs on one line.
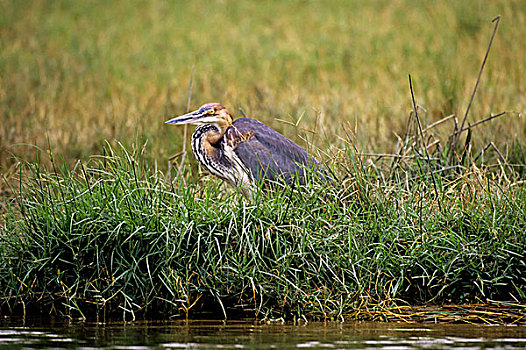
[[209, 133], [208, 150]]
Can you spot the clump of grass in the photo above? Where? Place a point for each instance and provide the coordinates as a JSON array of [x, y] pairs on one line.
[[113, 236]]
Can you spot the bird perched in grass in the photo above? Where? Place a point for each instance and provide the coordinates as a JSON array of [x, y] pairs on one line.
[[244, 151]]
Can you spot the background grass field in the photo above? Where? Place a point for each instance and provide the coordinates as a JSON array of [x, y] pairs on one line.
[[73, 74]]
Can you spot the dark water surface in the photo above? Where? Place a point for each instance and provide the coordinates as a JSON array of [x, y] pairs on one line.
[[252, 335]]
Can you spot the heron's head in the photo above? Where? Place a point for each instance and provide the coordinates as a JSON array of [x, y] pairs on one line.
[[210, 113]]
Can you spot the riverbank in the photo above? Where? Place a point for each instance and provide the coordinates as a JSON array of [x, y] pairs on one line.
[[114, 237], [426, 214]]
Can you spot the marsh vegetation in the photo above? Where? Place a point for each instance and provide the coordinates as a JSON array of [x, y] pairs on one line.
[[428, 208]]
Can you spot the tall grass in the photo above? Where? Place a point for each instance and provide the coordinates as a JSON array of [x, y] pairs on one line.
[[77, 74], [113, 237], [412, 217]]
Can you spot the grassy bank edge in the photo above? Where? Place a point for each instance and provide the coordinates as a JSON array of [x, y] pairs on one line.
[[115, 237]]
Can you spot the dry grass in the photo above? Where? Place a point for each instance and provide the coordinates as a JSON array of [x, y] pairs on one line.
[[75, 74]]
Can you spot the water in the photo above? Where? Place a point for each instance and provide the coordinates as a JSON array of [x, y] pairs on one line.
[[251, 335]]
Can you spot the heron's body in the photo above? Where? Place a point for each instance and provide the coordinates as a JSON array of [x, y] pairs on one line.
[[244, 151]]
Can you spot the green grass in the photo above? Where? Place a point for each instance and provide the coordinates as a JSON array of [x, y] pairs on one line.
[[113, 237]]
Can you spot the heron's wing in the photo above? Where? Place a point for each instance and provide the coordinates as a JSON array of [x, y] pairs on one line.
[[267, 153]]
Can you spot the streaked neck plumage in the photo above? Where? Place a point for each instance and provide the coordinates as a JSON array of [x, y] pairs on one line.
[[219, 158]]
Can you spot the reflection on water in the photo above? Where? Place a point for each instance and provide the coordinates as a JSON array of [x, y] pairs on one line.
[[251, 335]]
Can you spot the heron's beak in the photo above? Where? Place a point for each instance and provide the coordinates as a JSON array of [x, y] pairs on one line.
[[188, 118]]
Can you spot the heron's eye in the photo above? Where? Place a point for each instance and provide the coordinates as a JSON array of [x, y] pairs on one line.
[[211, 111]]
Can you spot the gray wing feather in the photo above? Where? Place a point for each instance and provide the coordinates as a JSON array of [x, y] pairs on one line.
[[267, 153]]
